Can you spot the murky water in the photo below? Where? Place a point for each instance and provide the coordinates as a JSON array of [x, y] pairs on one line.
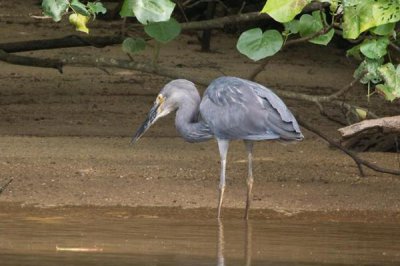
[[117, 238]]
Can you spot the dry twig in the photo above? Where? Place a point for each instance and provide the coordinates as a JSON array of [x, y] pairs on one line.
[[6, 185]]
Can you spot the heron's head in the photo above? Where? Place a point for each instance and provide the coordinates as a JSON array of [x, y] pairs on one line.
[[167, 101]]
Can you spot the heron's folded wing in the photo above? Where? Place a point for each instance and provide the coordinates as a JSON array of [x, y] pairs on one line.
[[237, 108]]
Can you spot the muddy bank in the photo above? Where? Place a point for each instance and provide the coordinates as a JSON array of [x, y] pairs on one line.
[[64, 138]]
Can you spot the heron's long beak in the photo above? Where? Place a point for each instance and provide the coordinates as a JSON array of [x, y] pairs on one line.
[[150, 120]]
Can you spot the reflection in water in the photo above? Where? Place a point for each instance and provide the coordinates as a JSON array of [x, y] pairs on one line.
[[221, 243], [248, 240], [113, 237]]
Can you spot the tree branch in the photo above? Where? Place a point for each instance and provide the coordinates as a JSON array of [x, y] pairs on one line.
[[220, 23], [102, 41], [394, 46], [385, 124], [30, 61], [65, 42], [359, 161], [174, 73]]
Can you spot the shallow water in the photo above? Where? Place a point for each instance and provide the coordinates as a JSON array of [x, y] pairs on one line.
[[118, 238]]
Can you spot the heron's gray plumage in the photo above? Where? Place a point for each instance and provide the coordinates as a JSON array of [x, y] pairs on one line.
[[188, 121], [231, 108], [235, 108]]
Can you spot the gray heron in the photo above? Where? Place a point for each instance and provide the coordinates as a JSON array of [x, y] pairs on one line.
[[231, 109]]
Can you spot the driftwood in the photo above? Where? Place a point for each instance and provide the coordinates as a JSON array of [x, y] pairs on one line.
[[381, 134], [385, 124], [359, 161]]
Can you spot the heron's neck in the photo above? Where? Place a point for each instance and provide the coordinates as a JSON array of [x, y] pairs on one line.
[[188, 124]]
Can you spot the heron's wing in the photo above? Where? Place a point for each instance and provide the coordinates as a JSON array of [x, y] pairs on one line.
[[240, 109]]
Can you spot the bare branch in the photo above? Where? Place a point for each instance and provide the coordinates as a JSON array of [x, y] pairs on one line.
[[219, 23], [394, 46], [385, 124], [146, 67], [2, 188], [359, 161], [65, 42], [30, 61]]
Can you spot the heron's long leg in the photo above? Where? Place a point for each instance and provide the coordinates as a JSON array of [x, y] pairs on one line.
[[223, 146], [249, 149]]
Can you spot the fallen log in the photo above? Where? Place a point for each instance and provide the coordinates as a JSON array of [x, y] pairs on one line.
[[382, 134], [384, 124]]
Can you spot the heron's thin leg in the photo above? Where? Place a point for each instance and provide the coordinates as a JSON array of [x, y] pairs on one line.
[[249, 149], [223, 146]]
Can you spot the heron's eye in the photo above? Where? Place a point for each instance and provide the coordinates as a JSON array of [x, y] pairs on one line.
[[160, 98]]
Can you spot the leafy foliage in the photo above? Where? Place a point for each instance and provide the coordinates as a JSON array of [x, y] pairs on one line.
[[368, 71], [371, 22], [311, 24], [96, 8], [391, 75], [375, 48], [291, 27], [148, 11], [54, 8], [375, 19], [164, 31], [81, 12], [360, 16], [257, 45], [79, 8], [133, 45], [284, 10]]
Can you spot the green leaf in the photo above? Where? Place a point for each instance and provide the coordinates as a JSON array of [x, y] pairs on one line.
[[133, 45], [79, 8], [292, 27], [369, 69], [366, 14], [284, 10], [127, 9], [334, 5], [312, 24], [355, 52], [375, 48], [257, 45], [164, 31], [96, 8], [384, 30], [149, 11], [351, 2], [54, 8], [386, 92], [391, 75]]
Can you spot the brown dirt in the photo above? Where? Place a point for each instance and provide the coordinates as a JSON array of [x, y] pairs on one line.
[[64, 138]]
